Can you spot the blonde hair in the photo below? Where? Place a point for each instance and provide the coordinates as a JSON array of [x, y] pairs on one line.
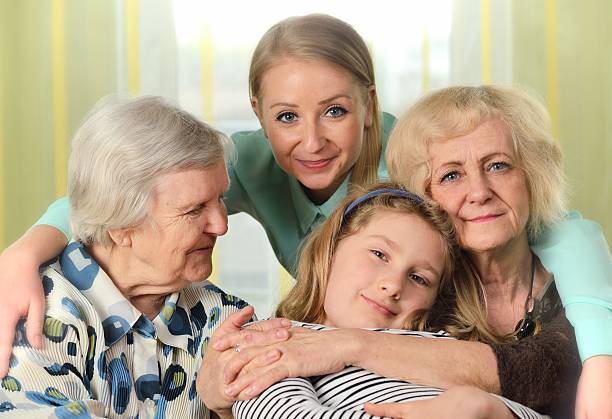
[[459, 305], [119, 151], [456, 111], [319, 37]]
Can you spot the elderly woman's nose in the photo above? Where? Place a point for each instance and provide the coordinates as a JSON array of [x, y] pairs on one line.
[[479, 189], [217, 222]]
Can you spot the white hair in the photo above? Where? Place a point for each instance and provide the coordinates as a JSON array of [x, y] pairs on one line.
[[118, 153]]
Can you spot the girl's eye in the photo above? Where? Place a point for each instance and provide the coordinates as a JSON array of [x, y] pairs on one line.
[[335, 112], [286, 117], [498, 166], [418, 279], [450, 177], [380, 255]]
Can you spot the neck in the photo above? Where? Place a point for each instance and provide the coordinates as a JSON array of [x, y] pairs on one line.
[[131, 278], [319, 196]]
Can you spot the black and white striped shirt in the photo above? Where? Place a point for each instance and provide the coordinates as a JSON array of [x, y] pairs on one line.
[[341, 395]]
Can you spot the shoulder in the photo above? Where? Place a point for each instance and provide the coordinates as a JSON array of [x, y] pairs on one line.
[[216, 303], [254, 160]]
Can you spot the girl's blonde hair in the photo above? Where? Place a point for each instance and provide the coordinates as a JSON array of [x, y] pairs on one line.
[[459, 305], [319, 37], [455, 111]]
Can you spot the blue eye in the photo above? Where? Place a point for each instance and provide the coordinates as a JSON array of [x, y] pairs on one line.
[[286, 117], [380, 255], [418, 279], [498, 166], [335, 112], [450, 177]]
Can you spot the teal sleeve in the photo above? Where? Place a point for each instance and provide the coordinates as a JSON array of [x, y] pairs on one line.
[[57, 216], [576, 252]]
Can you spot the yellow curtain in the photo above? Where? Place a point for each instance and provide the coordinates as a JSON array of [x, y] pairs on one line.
[[561, 50]]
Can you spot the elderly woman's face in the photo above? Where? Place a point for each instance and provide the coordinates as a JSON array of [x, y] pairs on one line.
[[475, 178], [187, 215]]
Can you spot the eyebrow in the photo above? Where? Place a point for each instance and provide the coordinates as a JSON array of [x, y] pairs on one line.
[[483, 158], [322, 102]]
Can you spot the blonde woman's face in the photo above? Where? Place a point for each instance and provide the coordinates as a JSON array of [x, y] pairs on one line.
[[476, 180], [314, 115], [382, 274]]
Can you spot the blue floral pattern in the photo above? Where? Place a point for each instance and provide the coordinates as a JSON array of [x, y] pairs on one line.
[[101, 357]]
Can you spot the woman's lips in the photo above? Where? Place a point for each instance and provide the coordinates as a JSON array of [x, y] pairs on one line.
[[378, 307], [315, 164], [484, 218]]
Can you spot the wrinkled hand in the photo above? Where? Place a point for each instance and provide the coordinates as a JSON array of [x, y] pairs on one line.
[[306, 353], [22, 295], [594, 397], [454, 403], [211, 384]]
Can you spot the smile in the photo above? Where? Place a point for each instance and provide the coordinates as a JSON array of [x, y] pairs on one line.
[[316, 164], [378, 307], [484, 218]]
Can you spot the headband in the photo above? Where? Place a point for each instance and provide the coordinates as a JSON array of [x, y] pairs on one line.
[[391, 191]]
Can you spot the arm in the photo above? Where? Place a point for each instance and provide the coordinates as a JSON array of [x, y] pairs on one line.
[[455, 403], [23, 293], [593, 400], [576, 252], [32, 390]]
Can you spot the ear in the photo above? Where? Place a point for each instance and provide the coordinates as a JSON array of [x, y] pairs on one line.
[[121, 237], [370, 97], [257, 111]]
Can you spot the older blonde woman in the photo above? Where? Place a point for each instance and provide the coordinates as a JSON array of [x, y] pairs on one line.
[[486, 155], [128, 317]]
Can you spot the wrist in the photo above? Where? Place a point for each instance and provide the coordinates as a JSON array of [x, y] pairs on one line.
[[355, 346]]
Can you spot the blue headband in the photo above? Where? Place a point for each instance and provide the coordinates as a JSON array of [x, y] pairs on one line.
[[391, 191]]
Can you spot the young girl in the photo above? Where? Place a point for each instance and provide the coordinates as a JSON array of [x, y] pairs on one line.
[[384, 259]]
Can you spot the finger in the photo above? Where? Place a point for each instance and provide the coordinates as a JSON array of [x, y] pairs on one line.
[[262, 360], [256, 382], [7, 336], [239, 360], [248, 337], [35, 321], [232, 324], [270, 324], [394, 410]]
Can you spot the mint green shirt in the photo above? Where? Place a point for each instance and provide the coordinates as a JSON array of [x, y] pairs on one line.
[[574, 250]]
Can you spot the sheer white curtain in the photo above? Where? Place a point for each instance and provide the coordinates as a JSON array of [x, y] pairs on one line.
[[198, 53]]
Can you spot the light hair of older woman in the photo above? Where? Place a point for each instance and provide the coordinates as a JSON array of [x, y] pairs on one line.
[[456, 111], [112, 188]]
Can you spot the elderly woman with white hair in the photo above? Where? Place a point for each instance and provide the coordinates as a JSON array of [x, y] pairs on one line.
[[128, 317]]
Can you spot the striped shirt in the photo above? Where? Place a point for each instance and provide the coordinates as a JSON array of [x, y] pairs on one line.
[[101, 357], [341, 395]]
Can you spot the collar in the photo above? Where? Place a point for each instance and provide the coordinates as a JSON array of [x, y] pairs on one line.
[[172, 326], [309, 214]]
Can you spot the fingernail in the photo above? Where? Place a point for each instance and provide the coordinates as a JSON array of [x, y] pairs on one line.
[[271, 355], [249, 392], [286, 323], [282, 333], [230, 391]]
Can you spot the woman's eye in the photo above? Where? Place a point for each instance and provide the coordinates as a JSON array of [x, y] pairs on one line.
[[380, 255], [196, 211], [498, 166], [335, 112], [286, 117], [418, 279], [450, 177]]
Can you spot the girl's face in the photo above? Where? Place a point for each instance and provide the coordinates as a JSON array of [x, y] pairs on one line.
[[314, 115], [381, 275]]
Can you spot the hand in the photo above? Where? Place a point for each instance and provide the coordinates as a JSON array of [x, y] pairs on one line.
[[455, 403], [22, 295], [210, 383], [306, 353], [594, 397]]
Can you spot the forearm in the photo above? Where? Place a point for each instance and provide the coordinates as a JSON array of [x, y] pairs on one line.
[[437, 362], [37, 245]]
